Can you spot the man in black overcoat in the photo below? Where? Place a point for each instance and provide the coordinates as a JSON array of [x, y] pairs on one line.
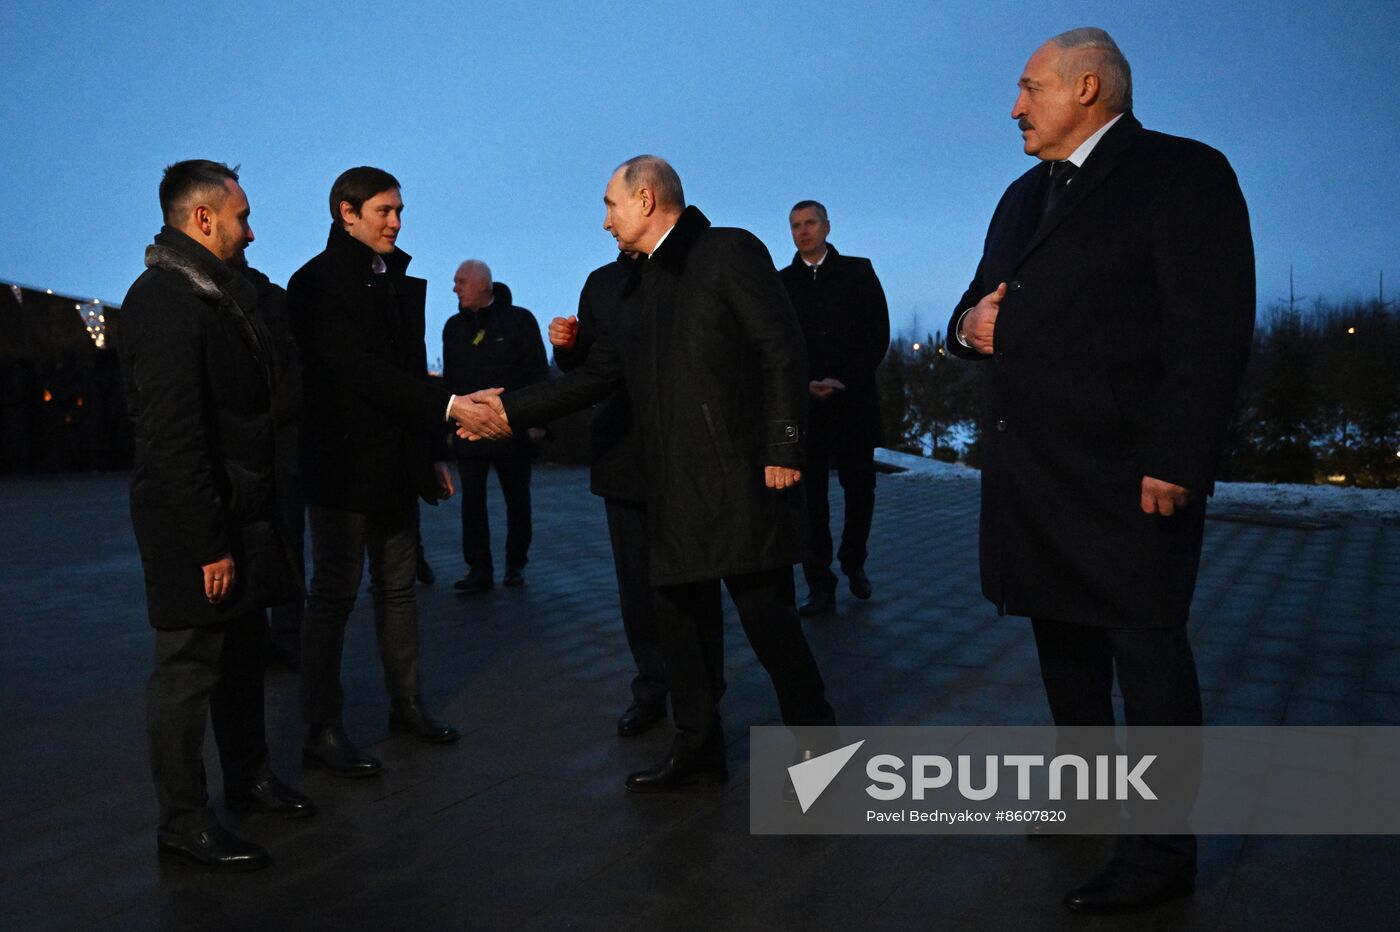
[[491, 342], [373, 423], [201, 379], [1112, 312], [711, 356], [846, 322], [616, 475]]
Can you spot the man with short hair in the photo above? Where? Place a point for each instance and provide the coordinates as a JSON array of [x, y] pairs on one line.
[[491, 342], [373, 421], [846, 322], [1112, 311], [712, 360], [200, 374]]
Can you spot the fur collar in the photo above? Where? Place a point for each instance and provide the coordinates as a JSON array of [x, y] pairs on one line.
[[172, 260]]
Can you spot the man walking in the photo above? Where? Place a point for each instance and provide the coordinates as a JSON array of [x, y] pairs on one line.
[[846, 322], [373, 418], [491, 342], [200, 374], [1112, 311]]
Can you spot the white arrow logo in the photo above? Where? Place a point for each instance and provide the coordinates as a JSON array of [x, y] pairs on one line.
[[811, 777]]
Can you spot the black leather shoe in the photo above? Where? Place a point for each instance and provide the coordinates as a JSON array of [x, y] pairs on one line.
[[408, 715], [820, 602], [513, 579], [1123, 887], [329, 748], [638, 718], [673, 773], [270, 796], [216, 849], [860, 584], [474, 582], [425, 573]]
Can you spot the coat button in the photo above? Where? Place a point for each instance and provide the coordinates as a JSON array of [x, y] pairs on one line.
[[1001, 425], [1013, 286], [791, 432]]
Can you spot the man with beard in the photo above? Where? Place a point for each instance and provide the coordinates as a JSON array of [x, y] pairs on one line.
[[1112, 312], [712, 360], [373, 420], [200, 374]]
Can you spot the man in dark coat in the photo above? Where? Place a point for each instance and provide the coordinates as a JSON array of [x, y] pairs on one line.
[[841, 308], [616, 475], [712, 360], [491, 342], [373, 418], [1112, 311], [200, 375]]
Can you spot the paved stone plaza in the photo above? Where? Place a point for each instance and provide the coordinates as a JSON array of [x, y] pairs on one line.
[[524, 823]]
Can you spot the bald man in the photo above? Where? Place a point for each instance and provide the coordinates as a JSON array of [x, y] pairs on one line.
[[488, 343]]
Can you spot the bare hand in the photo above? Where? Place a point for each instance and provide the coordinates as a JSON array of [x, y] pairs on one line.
[[979, 323], [218, 579], [444, 479], [823, 389], [563, 331], [781, 477], [1163, 498], [480, 415]]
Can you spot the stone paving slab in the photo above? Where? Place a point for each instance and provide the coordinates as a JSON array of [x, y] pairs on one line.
[[524, 822]]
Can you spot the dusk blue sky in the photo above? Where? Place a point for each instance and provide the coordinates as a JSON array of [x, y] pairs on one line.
[[503, 121]]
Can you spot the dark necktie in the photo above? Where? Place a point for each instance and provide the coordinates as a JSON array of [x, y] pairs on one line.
[[1060, 174]]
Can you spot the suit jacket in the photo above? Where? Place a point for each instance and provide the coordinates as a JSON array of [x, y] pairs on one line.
[[201, 381], [846, 322], [1119, 350], [508, 354], [712, 359], [616, 470], [374, 420]]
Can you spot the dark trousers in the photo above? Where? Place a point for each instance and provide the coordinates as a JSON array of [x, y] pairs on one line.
[[285, 619], [1157, 677], [339, 542], [692, 642], [214, 673], [855, 469], [627, 528], [513, 472]]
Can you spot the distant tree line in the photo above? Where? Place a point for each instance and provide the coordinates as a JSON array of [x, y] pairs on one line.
[[1320, 401]]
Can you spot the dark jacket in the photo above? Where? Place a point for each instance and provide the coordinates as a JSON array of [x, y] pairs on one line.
[[287, 410], [1120, 346], [200, 383], [712, 359], [846, 322], [616, 457], [374, 419], [498, 346]]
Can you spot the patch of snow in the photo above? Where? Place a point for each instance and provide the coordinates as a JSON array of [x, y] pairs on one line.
[[922, 467]]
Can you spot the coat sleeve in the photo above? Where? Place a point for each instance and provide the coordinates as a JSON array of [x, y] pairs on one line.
[[163, 346], [570, 359], [534, 363], [1203, 255], [770, 325], [874, 316], [977, 287], [330, 339], [538, 404]]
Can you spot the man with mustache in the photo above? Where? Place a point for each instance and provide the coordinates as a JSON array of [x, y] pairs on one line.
[[1112, 313]]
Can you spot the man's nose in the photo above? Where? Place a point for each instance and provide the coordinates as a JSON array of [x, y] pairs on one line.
[[250, 234], [1018, 108]]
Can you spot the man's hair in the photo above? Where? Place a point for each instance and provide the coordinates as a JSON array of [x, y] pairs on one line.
[[818, 206], [655, 173], [476, 269], [1092, 49], [357, 185], [191, 180]]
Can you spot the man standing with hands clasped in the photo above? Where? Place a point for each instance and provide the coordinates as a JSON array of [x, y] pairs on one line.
[[1112, 313]]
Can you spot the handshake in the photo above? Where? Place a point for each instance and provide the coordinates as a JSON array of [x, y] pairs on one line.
[[480, 415]]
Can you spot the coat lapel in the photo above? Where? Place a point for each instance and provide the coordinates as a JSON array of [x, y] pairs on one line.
[[1100, 164]]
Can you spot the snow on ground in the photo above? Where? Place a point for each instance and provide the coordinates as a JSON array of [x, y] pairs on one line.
[[1296, 501]]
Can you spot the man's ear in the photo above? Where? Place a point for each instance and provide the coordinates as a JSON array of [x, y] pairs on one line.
[[347, 212], [648, 201], [1088, 88], [203, 218]]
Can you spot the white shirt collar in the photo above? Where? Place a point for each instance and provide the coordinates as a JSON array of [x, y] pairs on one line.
[[813, 265], [660, 241], [1079, 155]]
